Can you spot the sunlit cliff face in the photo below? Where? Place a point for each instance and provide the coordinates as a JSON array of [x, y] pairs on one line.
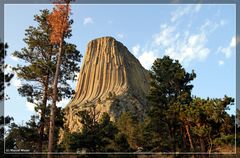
[[110, 78]]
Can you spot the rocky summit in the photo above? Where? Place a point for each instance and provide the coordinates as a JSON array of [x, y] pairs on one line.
[[112, 79]]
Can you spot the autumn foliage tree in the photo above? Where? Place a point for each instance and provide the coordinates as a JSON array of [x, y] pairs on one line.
[[60, 27], [59, 21]]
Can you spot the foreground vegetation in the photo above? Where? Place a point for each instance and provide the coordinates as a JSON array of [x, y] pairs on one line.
[[175, 122]]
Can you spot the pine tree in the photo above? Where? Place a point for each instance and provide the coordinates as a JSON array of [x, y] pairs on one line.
[[60, 28], [129, 125], [23, 136], [96, 135], [40, 56], [170, 88], [209, 121]]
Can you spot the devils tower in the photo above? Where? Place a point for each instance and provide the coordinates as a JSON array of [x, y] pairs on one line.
[[110, 78]]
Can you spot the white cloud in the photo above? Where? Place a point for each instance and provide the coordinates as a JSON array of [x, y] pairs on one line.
[[186, 10], [136, 49], [147, 58], [210, 26], [223, 22], [220, 62], [87, 20], [63, 102], [192, 49], [227, 51], [30, 106], [233, 42], [181, 45], [166, 36], [120, 35], [206, 25]]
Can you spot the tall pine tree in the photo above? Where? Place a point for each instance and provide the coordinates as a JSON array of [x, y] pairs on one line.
[[40, 57], [170, 88], [60, 29]]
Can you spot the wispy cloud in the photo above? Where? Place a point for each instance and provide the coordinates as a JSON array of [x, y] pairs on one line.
[[166, 36], [220, 62], [191, 49], [228, 50], [184, 10], [233, 42], [120, 35], [181, 44], [147, 58], [210, 25], [88, 20], [136, 49], [223, 22]]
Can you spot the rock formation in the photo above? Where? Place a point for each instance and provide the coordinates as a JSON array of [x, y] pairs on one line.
[[110, 78]]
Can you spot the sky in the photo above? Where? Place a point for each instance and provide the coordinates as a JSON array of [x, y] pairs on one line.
[[202, 37]]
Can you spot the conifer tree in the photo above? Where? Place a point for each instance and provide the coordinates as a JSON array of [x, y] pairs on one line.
[[60, 29], [38, 72], [170, 88], [209, 121], [96, 134]]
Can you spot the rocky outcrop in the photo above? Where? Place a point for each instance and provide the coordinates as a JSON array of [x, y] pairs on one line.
[[112, 79]]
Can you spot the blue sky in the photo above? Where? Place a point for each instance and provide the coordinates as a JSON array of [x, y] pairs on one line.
[[201, 37]]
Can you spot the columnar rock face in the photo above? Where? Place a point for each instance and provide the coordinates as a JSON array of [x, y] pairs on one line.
[[110, 78]]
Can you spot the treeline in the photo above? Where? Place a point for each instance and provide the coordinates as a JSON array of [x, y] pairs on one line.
[[209, 129], [175, 122]]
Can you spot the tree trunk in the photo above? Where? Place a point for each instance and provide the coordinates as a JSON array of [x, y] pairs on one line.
[[171, 136], [189, 137], [172, 139], [53, 107], [184, 140], [202, 145], [43, 113]]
